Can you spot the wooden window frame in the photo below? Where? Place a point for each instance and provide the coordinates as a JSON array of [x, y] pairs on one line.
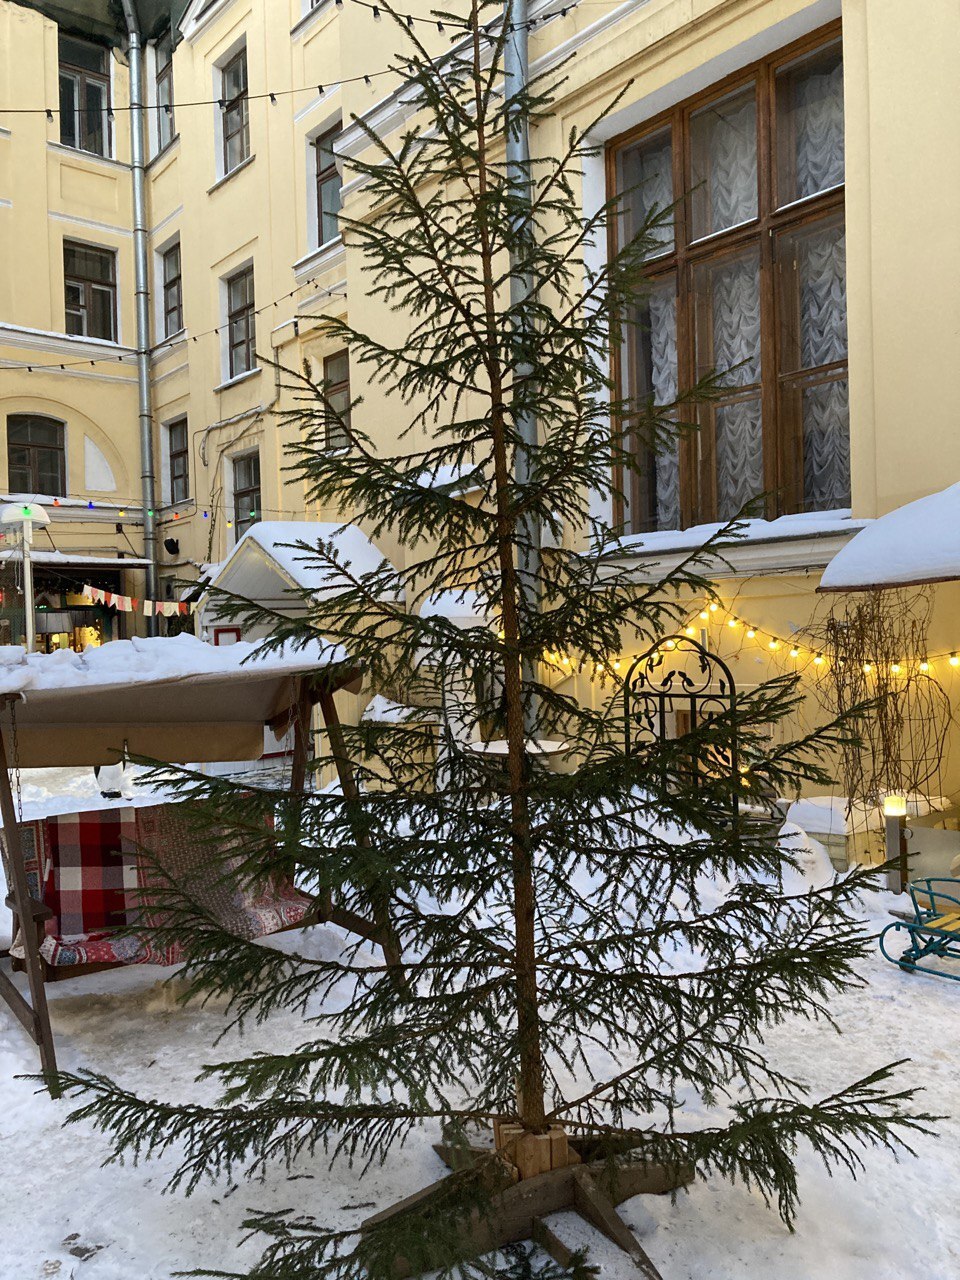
[[87, 285], [242, 523], [241, 327], [235, 109], [35, 450], [696, 450], [172, 292], [337, 438], [179, 480], [166, 118], [81, 77], [326, 175]]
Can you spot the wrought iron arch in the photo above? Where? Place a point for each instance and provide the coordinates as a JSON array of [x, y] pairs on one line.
[[679, 678]]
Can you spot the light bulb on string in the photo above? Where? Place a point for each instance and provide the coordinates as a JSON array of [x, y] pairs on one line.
[[924, 666], [773, 644], [751, 634], [895, 668], [670, 644], [704, 616], [690, 631], [867, 668], [794, 652], [818, 660], [732, 624], [954, 660], [713, 606]]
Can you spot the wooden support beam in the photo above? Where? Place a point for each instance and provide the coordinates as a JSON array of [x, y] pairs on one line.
[[387, 937], [593, 1206], [33, 963], [520, 1207]]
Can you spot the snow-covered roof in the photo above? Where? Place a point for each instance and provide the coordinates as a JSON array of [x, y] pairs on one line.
[[805, 524], [156, 660], [463, 608], [68, 559], [174, 698], [919, 542], [278, 541]]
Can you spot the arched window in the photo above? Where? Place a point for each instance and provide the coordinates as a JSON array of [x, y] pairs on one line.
[[36, 461]]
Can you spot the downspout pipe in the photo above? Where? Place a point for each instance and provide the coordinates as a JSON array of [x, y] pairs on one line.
[[142, 284], [516, 76]]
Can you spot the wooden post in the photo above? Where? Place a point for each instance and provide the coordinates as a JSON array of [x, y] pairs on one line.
[[35, 1015], [338, 749], [302, 714]]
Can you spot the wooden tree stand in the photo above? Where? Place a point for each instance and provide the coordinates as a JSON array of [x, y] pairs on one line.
[[543, 1174]]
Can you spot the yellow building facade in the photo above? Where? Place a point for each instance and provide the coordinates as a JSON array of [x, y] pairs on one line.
[[809, 143]]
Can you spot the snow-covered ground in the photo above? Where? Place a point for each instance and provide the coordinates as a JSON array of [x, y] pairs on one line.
[[64, 1215]]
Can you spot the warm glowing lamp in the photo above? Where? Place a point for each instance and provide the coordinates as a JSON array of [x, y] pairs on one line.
[[894, 806]]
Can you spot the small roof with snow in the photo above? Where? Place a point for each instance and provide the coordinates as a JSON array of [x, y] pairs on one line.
[[916, 543], [270, 560], [173, 698]]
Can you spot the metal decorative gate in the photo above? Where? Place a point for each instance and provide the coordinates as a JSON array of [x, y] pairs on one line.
[[678, 689]]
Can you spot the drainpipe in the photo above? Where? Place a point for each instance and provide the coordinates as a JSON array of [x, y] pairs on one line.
[[516, 74], [141, 276]]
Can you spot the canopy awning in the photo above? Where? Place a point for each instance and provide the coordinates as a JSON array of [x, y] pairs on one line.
[[915, 544], [67, 560], [175, 699]]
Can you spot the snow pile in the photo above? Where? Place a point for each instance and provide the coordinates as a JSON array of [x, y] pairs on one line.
[[919, 542], [381, 710], [46, 792], [147, 661]]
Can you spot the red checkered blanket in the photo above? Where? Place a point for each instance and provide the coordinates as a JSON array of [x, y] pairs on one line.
[[84, 866]]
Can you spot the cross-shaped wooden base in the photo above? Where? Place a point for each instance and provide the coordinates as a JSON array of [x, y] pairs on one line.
[[589, 1188]]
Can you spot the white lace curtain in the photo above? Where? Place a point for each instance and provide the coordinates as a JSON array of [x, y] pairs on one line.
[[727, 149]]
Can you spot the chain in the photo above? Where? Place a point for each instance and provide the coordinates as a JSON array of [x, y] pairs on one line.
[[16, 762]]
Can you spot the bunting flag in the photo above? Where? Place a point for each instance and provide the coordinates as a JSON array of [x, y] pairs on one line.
[[130, 604]]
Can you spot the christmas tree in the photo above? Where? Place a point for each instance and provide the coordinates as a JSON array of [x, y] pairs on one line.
[[573, 950]]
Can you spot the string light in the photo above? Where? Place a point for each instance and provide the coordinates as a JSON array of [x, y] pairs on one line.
[[954, 660], [895, 668], [773, 644], [924, 666], [794, 652], [867, 668], [751, 634]]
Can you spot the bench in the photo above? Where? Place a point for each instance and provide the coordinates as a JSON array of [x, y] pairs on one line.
[[934, 931]]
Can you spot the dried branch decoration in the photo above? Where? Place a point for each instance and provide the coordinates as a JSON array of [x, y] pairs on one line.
[[878, 640]]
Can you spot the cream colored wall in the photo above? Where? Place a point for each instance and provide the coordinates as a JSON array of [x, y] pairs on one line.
[[49, 193]]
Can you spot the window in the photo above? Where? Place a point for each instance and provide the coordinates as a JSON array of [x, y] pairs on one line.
[[179, 447], [336, 377], [241, 322], [84, 96], [747, 279], [166, 125], [90, 290], [246, 491], [172, 292], [328, 187], [234, 107], [36, 462]]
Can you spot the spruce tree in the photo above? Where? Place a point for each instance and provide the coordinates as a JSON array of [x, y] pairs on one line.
[[563, 956]]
